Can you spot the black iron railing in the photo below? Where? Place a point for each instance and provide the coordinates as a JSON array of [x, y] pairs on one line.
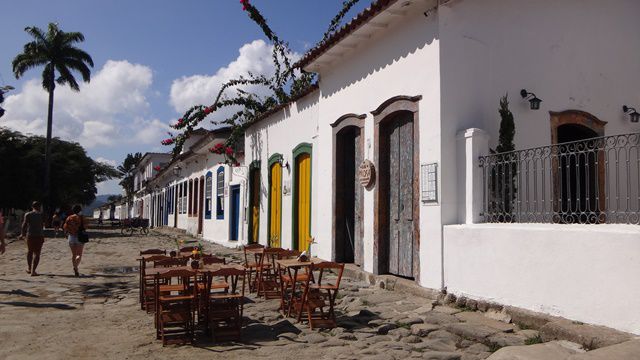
[[592, 181]]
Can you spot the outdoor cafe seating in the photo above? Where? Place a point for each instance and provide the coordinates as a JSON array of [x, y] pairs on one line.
[[192, 293]]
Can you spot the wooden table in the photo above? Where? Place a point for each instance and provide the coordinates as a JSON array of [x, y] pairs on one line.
[[292, 266]]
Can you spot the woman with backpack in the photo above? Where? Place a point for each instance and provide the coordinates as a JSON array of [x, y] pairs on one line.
[[74, 226]]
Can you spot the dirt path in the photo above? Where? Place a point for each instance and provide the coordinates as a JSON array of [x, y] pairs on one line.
[[58, 316]]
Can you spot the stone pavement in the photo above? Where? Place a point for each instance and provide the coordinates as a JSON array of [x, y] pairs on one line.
[[58, 316]]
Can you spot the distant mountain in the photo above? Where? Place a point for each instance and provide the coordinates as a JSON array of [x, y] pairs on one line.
[[99, 201]]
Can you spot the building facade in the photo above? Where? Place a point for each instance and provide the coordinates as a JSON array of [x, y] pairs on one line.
[[387, 163]]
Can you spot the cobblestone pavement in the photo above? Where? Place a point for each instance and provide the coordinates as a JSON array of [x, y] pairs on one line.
[[58, 316]]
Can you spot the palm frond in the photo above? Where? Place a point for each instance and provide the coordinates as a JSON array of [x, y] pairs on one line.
[[69, 38], [72, 52], [66, 77], [79, 66]]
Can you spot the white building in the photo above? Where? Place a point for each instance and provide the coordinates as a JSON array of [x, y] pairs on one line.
[[201, 194], [146, 169], [407, 104]]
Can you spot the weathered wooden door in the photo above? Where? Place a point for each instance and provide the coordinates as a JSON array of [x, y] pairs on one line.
[[254, 208], [200, 202], [234, 221], [275, 204], [349, 197], [399, 132], [303, 202]]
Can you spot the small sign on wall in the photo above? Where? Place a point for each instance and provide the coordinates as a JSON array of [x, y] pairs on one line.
[[429, 183]]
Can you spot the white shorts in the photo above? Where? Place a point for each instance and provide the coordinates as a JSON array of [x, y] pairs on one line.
[[73, 241]]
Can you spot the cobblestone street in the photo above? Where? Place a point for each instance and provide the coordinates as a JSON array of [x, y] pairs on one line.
[[58, 316]]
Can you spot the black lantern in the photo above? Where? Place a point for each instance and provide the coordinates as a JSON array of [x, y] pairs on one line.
[[633, 114], [534, 102], [176, 170]]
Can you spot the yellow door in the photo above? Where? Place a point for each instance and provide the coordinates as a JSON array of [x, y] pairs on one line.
[[303, 198], [275, 205], [255, 206]]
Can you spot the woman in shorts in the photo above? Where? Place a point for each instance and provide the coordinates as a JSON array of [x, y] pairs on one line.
[[72, 226]]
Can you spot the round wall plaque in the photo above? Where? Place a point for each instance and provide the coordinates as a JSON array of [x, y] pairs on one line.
[[366, 173]]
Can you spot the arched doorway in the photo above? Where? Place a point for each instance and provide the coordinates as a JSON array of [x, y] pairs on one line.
[[396, 235], [254, 202], [348, 194], [302, 197], [275, 201], [579, 167]]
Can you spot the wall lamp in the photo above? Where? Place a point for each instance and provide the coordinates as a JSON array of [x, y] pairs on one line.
[[633, 114], [534, 102], [284, 164], [177, 170]]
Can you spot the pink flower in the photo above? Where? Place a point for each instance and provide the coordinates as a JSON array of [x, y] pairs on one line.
[[167, 141], [207, 110], [229, 150]]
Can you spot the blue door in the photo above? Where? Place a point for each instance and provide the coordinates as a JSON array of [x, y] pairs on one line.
[[235, 212]]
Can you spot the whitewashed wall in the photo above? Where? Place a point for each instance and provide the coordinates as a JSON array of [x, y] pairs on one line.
[[281, 133], [581, 272], [401, 60]]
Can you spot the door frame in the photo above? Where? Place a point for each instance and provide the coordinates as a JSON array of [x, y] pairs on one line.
[[589, 121], [343, 122], [272, 160], [200, 201], [385, 112], [302, 148], [254, 167], [232, 212]]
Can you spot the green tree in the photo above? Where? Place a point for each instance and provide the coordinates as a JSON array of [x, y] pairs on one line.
[[504, 175], [74, 180], [54, 50], [126, 171]]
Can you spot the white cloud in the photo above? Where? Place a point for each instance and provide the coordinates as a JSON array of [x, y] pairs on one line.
[[254, 57], [99, 115], [100, 159]]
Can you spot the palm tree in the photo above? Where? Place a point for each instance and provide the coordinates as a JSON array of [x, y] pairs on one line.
[[56, 51]]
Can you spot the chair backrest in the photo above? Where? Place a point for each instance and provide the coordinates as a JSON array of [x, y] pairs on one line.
[[154, 258], [269, 256], [170, 262], [153, 252], [187, 249], [325, 267], [247, 254], [289, 254], [232, 275], [187, 277], [208, 260]]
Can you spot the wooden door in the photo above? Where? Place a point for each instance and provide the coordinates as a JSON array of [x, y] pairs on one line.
[[275, 204], [254, 207], [349, 197], [399, 131], [235, 213], [302, 211]]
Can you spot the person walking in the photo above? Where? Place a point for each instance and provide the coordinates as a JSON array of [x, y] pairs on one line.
[[73, 225], [32, 230]]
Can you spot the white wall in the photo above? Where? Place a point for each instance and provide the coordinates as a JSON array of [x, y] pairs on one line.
[[573, 54], [281, 133], [401, 60], [582, 272]]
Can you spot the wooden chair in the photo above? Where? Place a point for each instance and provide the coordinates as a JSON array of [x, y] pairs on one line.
[[170, 262], [268, 281], [210, 259], [147, 294], [187, 249], [319, 299], [153, 252], [288, 287], [224, 307], [175, 311], [251, 264]]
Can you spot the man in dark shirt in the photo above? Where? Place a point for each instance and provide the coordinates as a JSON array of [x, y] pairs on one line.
[[32, 229]]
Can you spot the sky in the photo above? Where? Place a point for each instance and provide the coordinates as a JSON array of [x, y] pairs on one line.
[[153, 59]]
